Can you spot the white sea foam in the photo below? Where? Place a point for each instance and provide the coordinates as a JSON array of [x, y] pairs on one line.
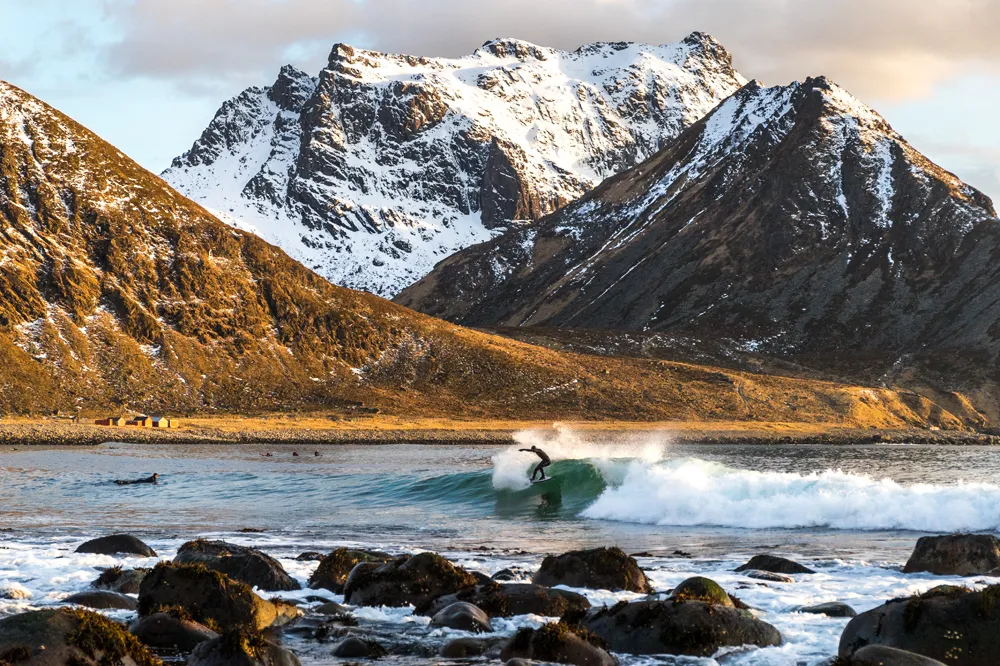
[[692, 492], [511, 467]]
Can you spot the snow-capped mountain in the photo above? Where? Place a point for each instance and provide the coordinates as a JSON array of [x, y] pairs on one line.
[[791, 217], [384, 165]]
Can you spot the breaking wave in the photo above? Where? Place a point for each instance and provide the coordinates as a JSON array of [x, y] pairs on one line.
[[693, 492]]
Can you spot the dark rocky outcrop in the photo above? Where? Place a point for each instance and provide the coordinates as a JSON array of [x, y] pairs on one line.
[[512, 575], [877, 655], [557, 643], [511, 600], [102, 600], [955, 555], [117, 544], [831, 609], [358, 648], [209, 597], [464, 648], [599, 568], [948, 623], [249, 565], [774, 564], [408, 580], [69, 636], [171, 631], [463, 616], [680, 626], [310, 556], [334, 569], [125, 581], [768, 576], [241, 647]]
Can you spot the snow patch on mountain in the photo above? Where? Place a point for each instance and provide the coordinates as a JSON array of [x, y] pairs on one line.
[[384, 165]]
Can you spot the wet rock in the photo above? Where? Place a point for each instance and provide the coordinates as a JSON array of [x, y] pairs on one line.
[[955, 555], [513, 599], [463, 616], [680, 627], [334, 569], [481, 578], [358, 648], [69, 636], [774, 564], [14, 592], [117, 544], [249, 565], [412, 580], [241, 647], [599, 568], [768, 576], [876, 655], [512, 575], [102, 600], [699, 588], [210, 597], [463, 648], [310, 556], [116, 579], [831, 609], [171, 631], [948, 623], [517, 662], [331, 608], [556, 643]]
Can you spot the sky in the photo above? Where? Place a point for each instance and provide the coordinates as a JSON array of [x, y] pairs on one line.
[[148, 75]]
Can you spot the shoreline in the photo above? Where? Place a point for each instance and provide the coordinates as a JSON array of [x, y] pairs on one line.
[[321, 431]]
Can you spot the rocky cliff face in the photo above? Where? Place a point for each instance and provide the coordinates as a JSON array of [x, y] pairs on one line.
[[791, 218], [384, 165]]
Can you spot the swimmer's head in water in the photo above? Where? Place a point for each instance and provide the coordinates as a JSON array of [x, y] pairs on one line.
[[155, 476]]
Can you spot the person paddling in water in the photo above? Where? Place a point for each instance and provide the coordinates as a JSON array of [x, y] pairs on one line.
[[542, 465], [153, 479]]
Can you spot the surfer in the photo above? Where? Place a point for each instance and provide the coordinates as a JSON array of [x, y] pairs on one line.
[[542, 465], [152, 479]]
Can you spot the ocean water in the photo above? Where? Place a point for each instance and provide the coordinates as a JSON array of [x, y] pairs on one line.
[[851, 513]]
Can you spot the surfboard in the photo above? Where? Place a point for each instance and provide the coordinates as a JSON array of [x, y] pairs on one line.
[[548, 478]]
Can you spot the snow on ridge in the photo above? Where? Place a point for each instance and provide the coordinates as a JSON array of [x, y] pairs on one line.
[[369, 209]]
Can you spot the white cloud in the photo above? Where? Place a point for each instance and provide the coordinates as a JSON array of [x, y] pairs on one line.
[[879, 48]]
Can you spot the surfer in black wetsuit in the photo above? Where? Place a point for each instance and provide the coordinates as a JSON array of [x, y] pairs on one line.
[[152, 479], [542, 465]]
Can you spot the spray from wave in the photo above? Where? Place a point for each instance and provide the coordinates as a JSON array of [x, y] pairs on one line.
[[693, 492], [512, 467]]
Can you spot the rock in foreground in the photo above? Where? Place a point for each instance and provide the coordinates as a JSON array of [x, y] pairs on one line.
[[598, 569], [774, 564], [70, 636], [210, 597], [241, 648], [414, 580], [876, 655], [125, 581], [249, 565], [334, 569], [513, 599], [955, 555], [948, 623], [171, 631], [102, 600], [117, 544], [463, 616], [556, 643], [691, 628]]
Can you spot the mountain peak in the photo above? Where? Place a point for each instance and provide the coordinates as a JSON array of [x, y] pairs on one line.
[[397, 162], [292, 88], [508, 47]]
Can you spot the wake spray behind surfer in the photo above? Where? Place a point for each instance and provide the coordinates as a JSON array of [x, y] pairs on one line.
[[542, 465]]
